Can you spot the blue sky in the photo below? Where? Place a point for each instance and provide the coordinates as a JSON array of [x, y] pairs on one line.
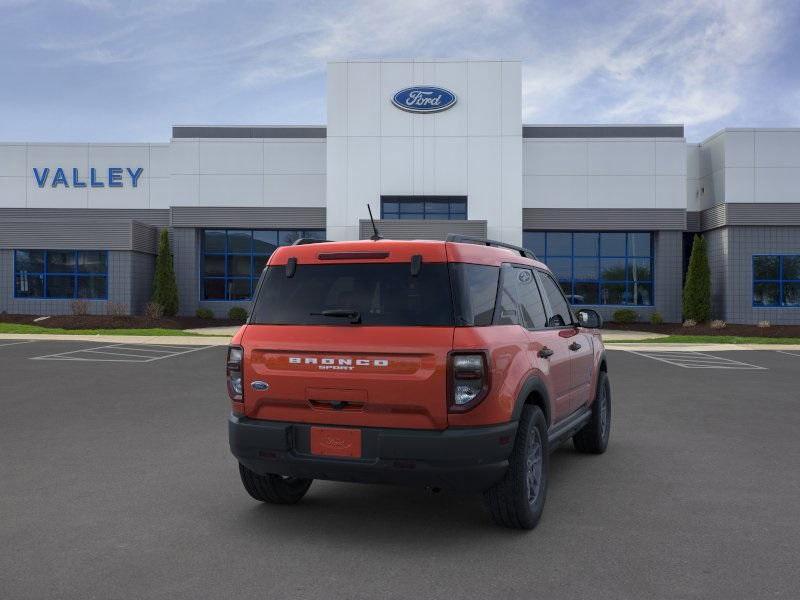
[[104, 70]]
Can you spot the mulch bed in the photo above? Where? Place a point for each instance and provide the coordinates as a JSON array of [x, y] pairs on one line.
[[774, 331], [116, 322]]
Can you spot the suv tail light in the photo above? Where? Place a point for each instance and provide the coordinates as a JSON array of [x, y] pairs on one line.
[[234, 373], [468, 380]]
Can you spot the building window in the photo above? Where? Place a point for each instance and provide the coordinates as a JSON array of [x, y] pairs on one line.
[[593, 267], [776, 280], [64, 274], [232, 259], [450, 208]]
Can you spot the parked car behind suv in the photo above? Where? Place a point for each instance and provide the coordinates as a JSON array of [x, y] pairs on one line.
[[454, 364]]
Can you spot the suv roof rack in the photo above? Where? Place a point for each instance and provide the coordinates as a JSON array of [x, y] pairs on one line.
[[454, 237], [304, 241]]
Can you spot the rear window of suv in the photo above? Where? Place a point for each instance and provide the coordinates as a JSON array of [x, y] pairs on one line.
[[386, 294], [381, 294]]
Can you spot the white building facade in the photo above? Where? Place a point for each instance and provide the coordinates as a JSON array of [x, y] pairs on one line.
[[612, 209]]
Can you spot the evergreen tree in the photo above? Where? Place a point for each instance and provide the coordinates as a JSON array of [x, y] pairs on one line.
[[697, 290], [165, 288]]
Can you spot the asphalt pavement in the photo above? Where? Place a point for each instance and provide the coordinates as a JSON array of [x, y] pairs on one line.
[[116, 482]]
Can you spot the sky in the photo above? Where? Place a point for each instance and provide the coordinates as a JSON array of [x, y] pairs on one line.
[[126, 71]]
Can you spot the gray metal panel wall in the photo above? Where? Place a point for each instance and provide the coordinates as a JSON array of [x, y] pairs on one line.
[[144, 238], [142, 271], [604, 219], [783, 214], [152, 216], [713, 217], [602, 131], [185, 252], [256, 217], [421, 229], [668, 275], [693, 221], [717, 251], [200, 131], [66, 234]]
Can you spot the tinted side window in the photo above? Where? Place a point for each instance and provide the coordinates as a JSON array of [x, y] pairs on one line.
[[508, 299], [560, 314], [474, 292], [530, 301]]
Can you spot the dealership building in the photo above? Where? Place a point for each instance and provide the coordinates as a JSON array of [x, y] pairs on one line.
[[434, 147]]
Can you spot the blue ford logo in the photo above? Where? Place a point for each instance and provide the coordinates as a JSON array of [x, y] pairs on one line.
[[424, 99]]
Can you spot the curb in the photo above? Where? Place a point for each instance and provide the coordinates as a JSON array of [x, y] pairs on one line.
[[156, 340]]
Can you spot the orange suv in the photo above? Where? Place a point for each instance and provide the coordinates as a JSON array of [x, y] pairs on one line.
[[450, 364]]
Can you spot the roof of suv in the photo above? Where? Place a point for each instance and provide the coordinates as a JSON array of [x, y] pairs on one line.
[[399, 251]]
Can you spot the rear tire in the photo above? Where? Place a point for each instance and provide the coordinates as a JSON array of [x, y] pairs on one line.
[[273, 489], [593, 438], [517, 501]]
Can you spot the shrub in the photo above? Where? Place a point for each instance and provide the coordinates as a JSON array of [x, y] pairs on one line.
[[764, 324], [165, 288], [697, 290], [624, 315], [690, 323], [718, 324], [237, 313], [153, 311], [204, 313], [656, 318], [116, 309], [79, 308]]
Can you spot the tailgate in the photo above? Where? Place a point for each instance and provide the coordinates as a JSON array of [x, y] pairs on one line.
[[357, 376]]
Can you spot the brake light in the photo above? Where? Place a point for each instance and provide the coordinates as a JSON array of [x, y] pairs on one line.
[[234, 373], [468, 378]]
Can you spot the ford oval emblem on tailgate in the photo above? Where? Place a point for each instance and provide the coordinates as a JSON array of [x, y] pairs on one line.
[[260, 385]]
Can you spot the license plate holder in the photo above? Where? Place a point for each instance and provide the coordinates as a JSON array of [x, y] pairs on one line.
[[336, 441]]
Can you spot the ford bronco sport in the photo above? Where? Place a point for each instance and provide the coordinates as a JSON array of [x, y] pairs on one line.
[[450, 364]]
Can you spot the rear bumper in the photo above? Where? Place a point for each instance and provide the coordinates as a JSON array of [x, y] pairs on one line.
[[462, 459]]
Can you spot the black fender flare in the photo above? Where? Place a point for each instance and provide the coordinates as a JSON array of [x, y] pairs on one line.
[[533, 384]]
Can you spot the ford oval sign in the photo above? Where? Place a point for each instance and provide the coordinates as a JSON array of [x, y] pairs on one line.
[[424, 99]]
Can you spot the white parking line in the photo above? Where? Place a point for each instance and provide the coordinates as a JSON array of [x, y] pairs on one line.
[[697, 360], [789, 353], [3, 345], [130, 353]]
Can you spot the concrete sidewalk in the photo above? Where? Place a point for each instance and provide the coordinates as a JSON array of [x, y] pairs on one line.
[[654, 347], [612, 335], [164, 340]]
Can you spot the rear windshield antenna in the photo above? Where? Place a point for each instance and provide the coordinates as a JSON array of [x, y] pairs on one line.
[[375, 236]]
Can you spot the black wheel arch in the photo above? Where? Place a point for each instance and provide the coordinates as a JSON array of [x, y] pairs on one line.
[[533, 392]]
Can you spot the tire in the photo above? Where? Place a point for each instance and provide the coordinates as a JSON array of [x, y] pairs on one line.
[[273, 489], [593, 438], [517, 501]]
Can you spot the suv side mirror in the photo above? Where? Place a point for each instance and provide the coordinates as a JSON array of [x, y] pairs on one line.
[[589, 318]]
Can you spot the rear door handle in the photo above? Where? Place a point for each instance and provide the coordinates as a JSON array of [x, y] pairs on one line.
[[545, 352], [574, 346]]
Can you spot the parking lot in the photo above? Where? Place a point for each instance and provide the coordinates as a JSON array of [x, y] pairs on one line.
[[117, 482]]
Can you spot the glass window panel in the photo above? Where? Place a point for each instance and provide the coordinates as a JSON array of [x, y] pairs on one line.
[[640, 294], [530, 300], [314, 234], [612, 244], [265, 242], [585, 293], [287, 237], [791, 267], [60, 261], [639, 269], [214, 240], [60, 286], [566, 286], [390, 207], [765, 267], [534, 240], [214, 265], [391, 216], [239, 241], [92, 286], [458, 206], [213, 289], [409, 216], [92, 261], [791, 294], [27, 285], [561, 267], [766, 294], [259, 262], [457, 216], [638, 244], [238, 289], [586, 268], [559, 244], [612, 293], [238, 266], [29, 260], [412, 207], [437, 207], [587, 244], [612, 269]]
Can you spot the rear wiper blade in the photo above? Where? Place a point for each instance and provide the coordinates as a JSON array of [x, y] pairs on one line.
[[344, 313]]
